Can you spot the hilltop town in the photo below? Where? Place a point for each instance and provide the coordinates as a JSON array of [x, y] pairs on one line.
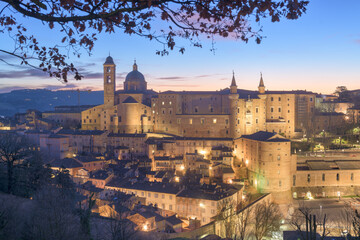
[[171, 162]]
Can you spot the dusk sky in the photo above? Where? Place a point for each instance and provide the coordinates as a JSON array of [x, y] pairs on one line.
[[317, 52]]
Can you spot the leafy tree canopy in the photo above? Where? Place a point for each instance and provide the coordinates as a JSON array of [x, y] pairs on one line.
[[81, 21]]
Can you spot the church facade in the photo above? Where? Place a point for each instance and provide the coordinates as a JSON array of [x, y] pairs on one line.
[[227, 113]]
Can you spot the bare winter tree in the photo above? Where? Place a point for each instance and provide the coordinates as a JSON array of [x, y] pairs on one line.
[[307, 224], [117, 226], [80, 23], [13, 150], [267, 217], [53, 217], [227, 217], [243, 218]]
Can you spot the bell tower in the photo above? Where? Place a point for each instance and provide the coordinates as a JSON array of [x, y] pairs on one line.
[[109, 81]]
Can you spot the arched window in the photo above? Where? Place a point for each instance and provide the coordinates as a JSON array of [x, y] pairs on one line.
[[108, 79]]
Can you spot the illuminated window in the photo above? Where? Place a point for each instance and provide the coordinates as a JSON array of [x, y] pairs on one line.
[[163, 103], [108, 79], [108, 69], [202, 120], [191, 121], [214, 120]]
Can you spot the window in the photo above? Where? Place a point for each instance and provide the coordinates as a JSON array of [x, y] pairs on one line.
[[294, 180], [257, 110], [163, 206], [279, 98], [279, 183], [178, 120], [170, 197], [108, 79], [257, 120], [163, 103], [271, 109], [323, 176], [149, 194], [227, 121], [170, 206], [156, 195], [352, 177], [191, 121], [311, 99], [170, 102], [196, 109], [163, 196], [214, 120], [279, 109], [278, 157], [272, 99], [108, 69], [308, 178], [337, 177]]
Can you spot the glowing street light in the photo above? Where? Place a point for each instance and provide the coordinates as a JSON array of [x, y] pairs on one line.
[[202, 152], [182, 167], [145, 227]]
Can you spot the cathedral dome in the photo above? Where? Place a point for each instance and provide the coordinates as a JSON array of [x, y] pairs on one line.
[[135, 81], [135, 75]]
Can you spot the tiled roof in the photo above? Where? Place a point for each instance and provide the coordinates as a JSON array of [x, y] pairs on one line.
[[66, 163], [215, 195], [265, 137], [140, 135], [80, 132], [146, 186], [289, 92], [56, 136], [173, 220], [130, 99], [100, 174]]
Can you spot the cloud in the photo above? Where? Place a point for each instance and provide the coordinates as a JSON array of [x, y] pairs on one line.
[[188, 78], [175, 85], [22, 73], [180, 79]]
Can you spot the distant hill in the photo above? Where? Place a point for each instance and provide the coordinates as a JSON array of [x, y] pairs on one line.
[[45, 100]]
